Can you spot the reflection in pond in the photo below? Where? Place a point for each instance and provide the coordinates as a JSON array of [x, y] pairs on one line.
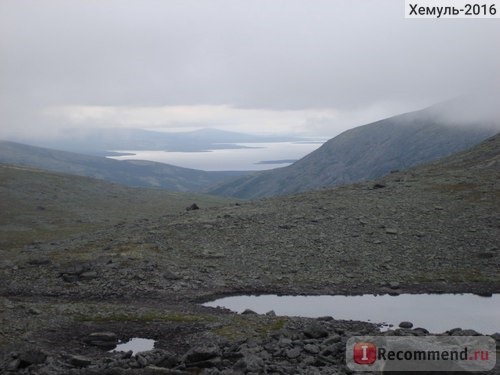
[[435, 312], [135, 344]]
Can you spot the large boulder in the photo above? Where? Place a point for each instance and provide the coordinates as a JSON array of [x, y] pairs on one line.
[[105, 340]]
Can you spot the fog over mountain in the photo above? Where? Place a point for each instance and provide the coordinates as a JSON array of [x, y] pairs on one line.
[[375, 149], [280, 67]]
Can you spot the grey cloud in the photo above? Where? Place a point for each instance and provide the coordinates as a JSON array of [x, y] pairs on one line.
[[278, 54]]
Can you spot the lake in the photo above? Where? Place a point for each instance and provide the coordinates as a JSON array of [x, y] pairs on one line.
[[251, 157], [435, 312]]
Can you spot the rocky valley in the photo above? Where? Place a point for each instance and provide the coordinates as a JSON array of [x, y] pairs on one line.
[[67, 300]]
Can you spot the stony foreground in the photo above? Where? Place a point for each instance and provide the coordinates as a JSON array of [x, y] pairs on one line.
[[430, 229], [244, 344]]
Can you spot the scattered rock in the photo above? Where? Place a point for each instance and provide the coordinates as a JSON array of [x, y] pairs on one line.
[[193, 207], [325, 318], [31, 357], [248, 312], [169, 275], [13, 365], [310, 348], [141, 360], [155, 370], [485, 293], [329, 351], [168, 360], [420, 331], [406, 325], [70, 278], [315, 331], [249, 363], [75, 269], [80, 361], [394, 285], [202, 353], [127, 355], [105, 340], [332, 340], [391, 231], [486, 255], [453, 330], [293, 353], [89, 275], [34, 311], [40, 261], [466, 332], [285, 342], [72, 272]]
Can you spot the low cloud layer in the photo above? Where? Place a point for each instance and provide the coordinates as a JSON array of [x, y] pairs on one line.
[[250, 120], [281, 66]]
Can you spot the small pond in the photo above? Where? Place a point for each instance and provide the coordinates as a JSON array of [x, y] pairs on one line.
[[135, 344], [435, 312]]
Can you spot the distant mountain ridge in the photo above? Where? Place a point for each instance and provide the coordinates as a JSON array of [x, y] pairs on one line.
[[128, 172], [371, 151], [101, 141]]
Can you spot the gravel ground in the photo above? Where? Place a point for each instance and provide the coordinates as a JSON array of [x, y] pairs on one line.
[[429, 229]]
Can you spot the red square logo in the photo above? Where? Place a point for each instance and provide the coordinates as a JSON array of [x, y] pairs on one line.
[[365, 353]]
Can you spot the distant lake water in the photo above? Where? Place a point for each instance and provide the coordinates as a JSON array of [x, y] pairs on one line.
[[256, 156]]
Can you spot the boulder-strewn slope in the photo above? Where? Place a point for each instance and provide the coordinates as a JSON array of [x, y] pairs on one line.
[[127, 172], [366, 152], [432, 228]]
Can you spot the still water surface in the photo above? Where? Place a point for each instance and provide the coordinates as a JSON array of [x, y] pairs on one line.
[[435, 312], [238, 159]]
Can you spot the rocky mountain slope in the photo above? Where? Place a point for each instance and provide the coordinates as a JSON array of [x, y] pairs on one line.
[[127, 172], [432, 228], [38, 205], [370, 151]]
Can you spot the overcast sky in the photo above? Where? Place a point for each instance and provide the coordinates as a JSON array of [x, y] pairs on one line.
[[311, 67]]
